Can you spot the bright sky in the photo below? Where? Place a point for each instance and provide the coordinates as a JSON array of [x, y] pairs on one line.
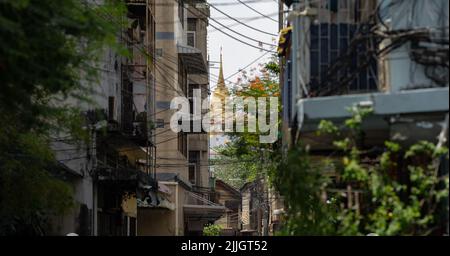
[[237, 55]]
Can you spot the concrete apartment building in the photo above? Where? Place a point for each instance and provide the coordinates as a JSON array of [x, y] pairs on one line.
[[391, 56], [111, 173], [395, 83], [182, 159], [136, 176]]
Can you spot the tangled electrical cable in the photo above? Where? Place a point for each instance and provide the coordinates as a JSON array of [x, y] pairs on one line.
[[433, 54], [426, 49]]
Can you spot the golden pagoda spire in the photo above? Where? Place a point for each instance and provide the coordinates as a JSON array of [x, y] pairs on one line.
[[221, 81], [221, 88]]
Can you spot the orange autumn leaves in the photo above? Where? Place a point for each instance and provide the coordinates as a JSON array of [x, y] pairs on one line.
[[258, 87]]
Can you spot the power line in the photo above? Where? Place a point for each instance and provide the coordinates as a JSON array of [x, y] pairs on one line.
[[242, 19], [251, 63], [233, 37], [159, 68], [156, 64], [258, 12], [247, 1], [258, 41], [258, 30]]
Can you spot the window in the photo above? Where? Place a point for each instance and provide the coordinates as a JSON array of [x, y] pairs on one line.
[[192, 175], [192, 87], [328, 42], [191, 29], [194, 166], [111, 108], [192, 24], [191, 38], [182, 143], [332, 5], [196, 121]]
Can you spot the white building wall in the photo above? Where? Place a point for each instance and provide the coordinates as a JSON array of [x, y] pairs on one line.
[[80, 158]]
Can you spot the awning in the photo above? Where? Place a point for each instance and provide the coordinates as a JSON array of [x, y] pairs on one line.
[[199, 207], [193, 59], [116, 174], [204, 211], [123, 146], [174, 177], [62, 167], [419, 101]]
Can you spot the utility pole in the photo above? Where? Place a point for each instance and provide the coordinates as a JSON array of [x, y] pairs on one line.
[[280, 27], [263, 186], [284, 123], [280, 14]]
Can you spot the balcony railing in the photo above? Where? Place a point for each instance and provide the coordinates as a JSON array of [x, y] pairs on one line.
[[136, 2], [204, 192]]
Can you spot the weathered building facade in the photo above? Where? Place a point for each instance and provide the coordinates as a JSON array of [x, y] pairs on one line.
[[229, 197], [112, 170], [346, 54], [342, 54], [181, 159], [136, 176]]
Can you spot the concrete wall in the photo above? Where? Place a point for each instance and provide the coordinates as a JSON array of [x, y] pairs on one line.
[[200, 142], [74, 156], [164, 222], [156, 222], [70, 222], [169, 33]]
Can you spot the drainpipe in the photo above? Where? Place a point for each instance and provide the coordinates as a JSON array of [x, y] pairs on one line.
[[177, 211], [94, 231]]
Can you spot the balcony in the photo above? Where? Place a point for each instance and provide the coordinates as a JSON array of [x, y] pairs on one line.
[[120, 159], [200, 207], [139, 134], [193, 59]]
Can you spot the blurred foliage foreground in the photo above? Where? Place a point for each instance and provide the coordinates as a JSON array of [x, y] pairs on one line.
[[48, 52], [396, 191]]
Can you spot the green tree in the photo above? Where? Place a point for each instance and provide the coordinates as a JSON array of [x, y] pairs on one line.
[[244, 159], [301, 183], [212, 230], [48, 53], [235, 172]]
